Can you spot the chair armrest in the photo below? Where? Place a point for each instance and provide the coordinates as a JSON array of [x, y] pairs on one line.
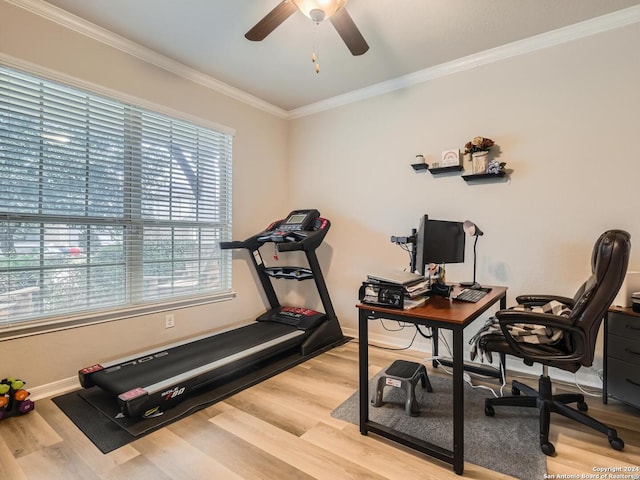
[[534, 300], [511, 317]]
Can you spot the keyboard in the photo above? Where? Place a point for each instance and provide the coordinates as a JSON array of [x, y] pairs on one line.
[[470, 295]]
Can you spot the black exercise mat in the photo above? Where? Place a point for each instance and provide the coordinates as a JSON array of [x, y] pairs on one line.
[[95, 412], [105, 434], [507, 443]]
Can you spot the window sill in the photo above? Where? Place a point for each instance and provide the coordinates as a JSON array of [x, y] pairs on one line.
[[55, 324]]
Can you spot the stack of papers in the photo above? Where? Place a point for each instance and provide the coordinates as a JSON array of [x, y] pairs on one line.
[[410, 303], [396, 278], [417, 289]]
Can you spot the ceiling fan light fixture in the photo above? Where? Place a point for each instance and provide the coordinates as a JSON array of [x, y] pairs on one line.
[[317, 15], [327, 7]]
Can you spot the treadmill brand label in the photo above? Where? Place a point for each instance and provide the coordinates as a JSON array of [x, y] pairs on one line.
[[173, 393], [137, 361]]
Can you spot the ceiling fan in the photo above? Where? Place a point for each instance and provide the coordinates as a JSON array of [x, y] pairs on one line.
[[316, 10]]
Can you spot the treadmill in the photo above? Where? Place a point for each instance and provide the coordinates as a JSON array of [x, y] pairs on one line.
[[153, 381]]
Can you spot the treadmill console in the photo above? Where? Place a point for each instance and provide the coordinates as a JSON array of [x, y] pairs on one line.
[[299, 220], [300, 230], [293, 228]]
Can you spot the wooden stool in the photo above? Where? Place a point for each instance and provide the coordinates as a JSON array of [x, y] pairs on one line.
[[405, 375]]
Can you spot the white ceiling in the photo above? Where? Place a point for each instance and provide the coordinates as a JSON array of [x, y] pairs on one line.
[[404, 36]]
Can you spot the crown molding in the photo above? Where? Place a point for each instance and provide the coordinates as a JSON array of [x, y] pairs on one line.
[[77, 24], [593, 26], [611, 21]]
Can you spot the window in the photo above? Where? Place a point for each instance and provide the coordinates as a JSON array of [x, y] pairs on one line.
[[105, 205]]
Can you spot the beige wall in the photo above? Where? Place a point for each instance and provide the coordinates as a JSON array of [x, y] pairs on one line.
[[566, 121], [260, 160]]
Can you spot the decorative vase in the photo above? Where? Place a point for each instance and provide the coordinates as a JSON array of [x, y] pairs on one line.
[[479, 162]]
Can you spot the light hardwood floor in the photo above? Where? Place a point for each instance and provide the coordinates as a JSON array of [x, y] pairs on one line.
[[282, 429]]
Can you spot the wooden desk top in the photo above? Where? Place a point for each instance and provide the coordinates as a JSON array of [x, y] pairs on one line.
[[444, 309]]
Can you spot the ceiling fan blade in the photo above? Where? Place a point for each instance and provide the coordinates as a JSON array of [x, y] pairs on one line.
[[350, 34], [272, 20]]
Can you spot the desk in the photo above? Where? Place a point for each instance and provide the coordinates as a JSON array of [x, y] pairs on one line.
[[438, 312]]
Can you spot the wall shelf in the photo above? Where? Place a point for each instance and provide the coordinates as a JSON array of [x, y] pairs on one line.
[[418, 167], [454, 168], [483, 176]]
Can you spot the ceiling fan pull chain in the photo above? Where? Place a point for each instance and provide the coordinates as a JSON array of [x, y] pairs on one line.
[[314, 56]]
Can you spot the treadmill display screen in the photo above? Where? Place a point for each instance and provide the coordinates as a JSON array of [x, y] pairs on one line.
[[297, 218]]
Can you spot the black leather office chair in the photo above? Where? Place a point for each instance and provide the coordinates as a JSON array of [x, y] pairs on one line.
[[580, 329]]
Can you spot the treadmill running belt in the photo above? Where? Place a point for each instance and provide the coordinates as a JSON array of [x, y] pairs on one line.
[[162, 365]]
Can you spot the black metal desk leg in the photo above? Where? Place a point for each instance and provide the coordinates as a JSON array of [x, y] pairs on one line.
[[363, 361], [458, 401], [434, 346]]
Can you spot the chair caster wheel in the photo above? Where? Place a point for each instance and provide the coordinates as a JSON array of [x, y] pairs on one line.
[[548, 449], [616, 443], [582, 406], [489, 411], [515, 391]]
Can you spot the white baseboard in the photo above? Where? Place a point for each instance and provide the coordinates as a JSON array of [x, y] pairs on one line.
[[55, 388], [587, 377]]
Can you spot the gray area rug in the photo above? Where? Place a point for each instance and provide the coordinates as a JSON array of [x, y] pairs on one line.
[[506, 443]]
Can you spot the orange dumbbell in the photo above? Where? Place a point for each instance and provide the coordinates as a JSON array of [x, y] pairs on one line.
[[21, 395]]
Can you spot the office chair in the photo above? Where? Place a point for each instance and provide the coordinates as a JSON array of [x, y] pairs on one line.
[[580, 329]]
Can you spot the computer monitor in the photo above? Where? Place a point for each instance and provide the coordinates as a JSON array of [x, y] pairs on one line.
[[438, 241]]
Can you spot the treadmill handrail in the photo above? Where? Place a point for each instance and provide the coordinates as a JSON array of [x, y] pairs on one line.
[[306, 240]]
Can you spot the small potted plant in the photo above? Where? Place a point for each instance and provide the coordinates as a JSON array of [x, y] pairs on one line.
[[479, 149], [495, 167]]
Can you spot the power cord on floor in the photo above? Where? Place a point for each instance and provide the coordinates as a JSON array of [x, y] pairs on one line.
[[466, 377], [582, 390]]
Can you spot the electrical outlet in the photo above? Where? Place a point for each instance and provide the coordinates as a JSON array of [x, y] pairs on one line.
[[169, 321]]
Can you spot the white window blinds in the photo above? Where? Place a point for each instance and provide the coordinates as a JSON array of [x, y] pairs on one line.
[[104, 204]]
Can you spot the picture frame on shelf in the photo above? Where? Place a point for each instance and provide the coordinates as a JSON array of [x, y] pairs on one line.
[[450, 158]]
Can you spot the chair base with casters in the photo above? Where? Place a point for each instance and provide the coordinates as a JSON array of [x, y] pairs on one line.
[[405, 375], [547, 403]]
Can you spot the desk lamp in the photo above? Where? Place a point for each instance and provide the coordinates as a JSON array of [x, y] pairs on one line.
[[472, 229]]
